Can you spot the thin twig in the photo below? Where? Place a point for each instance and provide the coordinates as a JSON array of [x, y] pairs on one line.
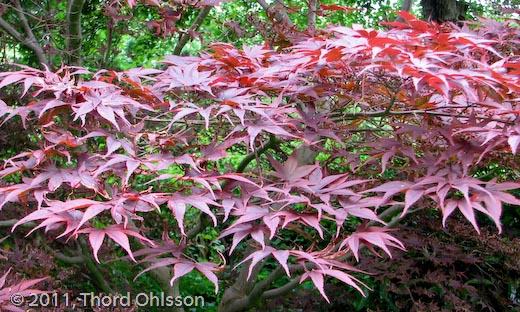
[[298, 268], [183, 40], [35, 46], [280, 15], [32, 44]]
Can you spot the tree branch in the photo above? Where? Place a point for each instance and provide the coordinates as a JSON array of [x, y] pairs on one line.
[[311, 16], [246, 160], [260, 288], [68, 259], [96, 275], [183, 40], [74, 31], [108, 47], [386, 113], [282, 290], [29, 42], [279, 13], [38, 49], [203, 222], [240, 296], [11, 222], [405, 7], [163, 275]]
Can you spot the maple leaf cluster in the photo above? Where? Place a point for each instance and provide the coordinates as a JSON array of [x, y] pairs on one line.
[[397, 118]]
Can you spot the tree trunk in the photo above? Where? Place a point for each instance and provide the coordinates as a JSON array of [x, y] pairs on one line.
[[74, 31], [443, 10]]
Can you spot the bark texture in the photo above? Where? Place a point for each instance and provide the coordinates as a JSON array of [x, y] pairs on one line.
[[443, 10]]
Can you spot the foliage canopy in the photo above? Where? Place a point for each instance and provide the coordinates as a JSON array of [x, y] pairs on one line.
[[293, 155]]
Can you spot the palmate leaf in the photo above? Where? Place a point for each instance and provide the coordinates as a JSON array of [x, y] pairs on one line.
[[317, 280], [310, 219], [131, 164], [466, 207], [355, 208], [184, 266], [15, 193], [272, 224], [201, 203], [280, 255], [181, 267], [179, 209], [126, 206], [391, 188], [412, 195], [477, 195], [75, 177], [249, 214], [116, 232], [371, 236], [91, 212], [290, 170], [56, 211], [254, 129], [513, 142], [487, 199], [53, 221], [22, 288], [243, 230], [317, 277], [186, 76], [109, 105]]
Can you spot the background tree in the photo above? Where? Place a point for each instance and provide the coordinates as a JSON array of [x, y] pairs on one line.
[[443, 10]]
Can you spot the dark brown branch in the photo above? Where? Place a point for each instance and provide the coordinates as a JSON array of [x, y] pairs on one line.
[[108, 47], [240, 296], [405, 7], [282, 290], [68, 259], [246, 160], [96, 274], [30, 41], [311, 16], [260, 289], [185, 37], [11, 222], [202, 223], [279, 13], [35, 46], [280, 7], [74, 31], [163, 276], [416, 112]]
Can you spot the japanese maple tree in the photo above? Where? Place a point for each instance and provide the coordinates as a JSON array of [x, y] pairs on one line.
[[297, 156]]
